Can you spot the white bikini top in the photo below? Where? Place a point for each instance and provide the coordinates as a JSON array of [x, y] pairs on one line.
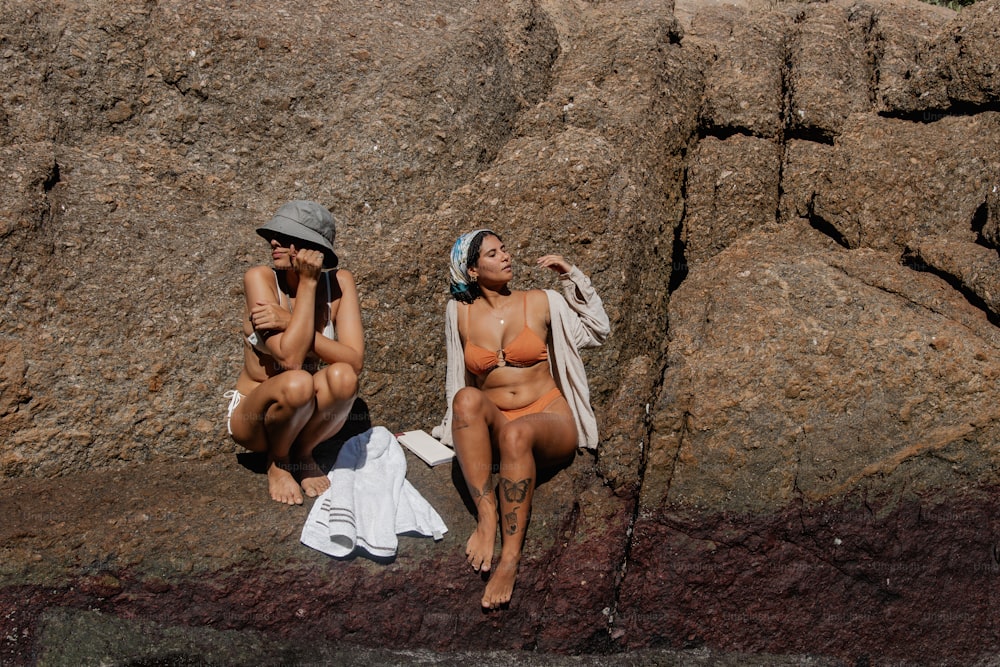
[[257, 341]]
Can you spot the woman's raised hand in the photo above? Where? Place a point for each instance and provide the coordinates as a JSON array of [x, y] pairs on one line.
[[307, 263], [555, 262]]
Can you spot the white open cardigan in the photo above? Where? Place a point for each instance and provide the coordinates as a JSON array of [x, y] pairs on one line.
[[577, 320]]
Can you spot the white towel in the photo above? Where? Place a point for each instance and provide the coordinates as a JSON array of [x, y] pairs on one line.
[[369, 501]]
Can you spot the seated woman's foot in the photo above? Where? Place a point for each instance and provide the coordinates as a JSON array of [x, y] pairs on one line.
[[500, 587], [314, 480], [479, 548], [282, 485]]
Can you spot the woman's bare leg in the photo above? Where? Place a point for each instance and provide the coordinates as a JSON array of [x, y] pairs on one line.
[[545, 438], [268, 420], [336, 389], [474, 416]]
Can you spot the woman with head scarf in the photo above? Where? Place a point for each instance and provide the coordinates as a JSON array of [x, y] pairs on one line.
[[517, 391], [303, 351]]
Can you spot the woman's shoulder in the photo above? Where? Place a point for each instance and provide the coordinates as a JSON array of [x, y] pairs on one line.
[[260, 269], [345, 280], [537, 301], [537, 296], [258, 274], [343, 274]]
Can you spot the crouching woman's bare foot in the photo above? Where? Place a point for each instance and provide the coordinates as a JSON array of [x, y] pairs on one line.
[[500, 587], [314, 480], [282, 485]]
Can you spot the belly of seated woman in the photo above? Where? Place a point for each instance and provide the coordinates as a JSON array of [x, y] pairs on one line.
[[510, 388]]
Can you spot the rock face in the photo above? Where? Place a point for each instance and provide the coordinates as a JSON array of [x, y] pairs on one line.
[[791, 210]]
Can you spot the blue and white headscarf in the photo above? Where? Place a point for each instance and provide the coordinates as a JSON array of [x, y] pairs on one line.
[[460, 280]]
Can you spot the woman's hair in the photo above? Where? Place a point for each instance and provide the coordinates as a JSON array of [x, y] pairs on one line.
[[465, 254]]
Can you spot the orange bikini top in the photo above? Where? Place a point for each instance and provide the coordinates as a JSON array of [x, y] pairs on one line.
[[527, 349]]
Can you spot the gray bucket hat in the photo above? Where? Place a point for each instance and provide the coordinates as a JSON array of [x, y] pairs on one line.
[[308, 221]]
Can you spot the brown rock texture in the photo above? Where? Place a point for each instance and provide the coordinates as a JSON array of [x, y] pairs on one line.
[[791, 210]]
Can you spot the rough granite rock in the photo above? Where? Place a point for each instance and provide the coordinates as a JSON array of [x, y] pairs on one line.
[[830, 68], [959, 68], [732, 188], [823, 459], [790, 210], [791, 351], [745, 87], [902, 33], [887, 183]]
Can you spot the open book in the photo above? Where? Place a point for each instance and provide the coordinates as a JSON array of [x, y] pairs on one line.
[[426, 447]]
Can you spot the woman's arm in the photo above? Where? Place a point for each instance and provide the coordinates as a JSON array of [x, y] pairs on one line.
[[592, 325], [582, 298], [290, 346], [350, 344]]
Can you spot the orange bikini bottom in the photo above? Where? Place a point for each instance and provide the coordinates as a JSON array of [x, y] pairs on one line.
[[544, 401]]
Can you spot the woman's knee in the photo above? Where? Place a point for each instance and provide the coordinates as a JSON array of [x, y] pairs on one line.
[[516, 438], [296, 388], [338, 380], [467, 402]]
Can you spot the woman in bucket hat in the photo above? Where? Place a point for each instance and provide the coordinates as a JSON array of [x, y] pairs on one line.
[[303, 351]]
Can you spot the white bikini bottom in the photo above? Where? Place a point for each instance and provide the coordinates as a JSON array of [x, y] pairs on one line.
[[234, 399]]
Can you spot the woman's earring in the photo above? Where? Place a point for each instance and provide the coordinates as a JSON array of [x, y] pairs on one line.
[[473, 280]]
